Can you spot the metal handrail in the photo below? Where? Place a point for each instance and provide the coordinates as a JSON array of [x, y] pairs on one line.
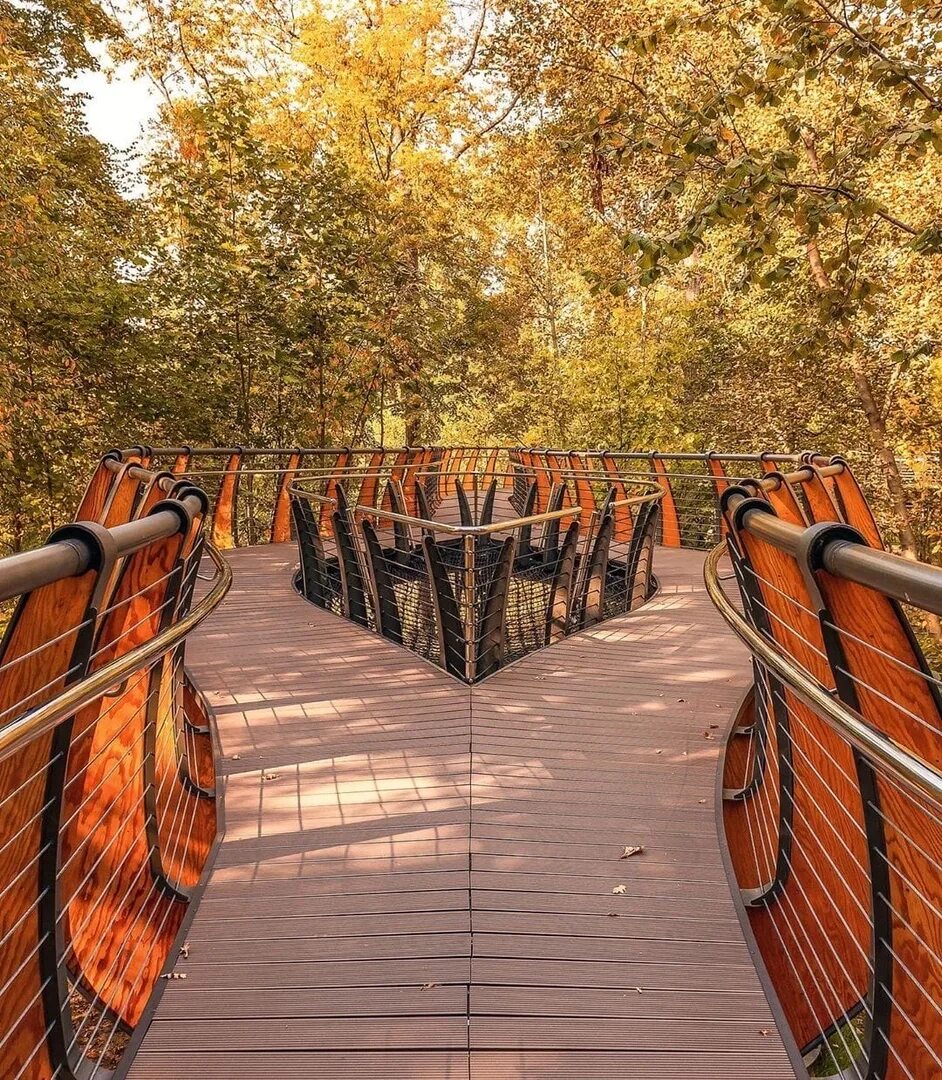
[[475, 530], [22, 731], [470, 530], [904, 766], [904, 580], [69, 557]]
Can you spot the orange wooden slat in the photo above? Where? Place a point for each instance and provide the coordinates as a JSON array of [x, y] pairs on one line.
[[585, 496], [888, 681], [670, 522], [224, 510], [45, 648], [118, 919], [281, 514], [813, 937], [624, 524]]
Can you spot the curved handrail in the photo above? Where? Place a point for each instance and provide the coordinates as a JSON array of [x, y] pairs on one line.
[[43, 719], [904, 766]]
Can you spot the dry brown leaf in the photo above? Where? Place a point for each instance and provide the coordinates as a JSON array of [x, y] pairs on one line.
[[632, 849], [236, 757], [174, 975], [708, 735], [614, 915], [620, 890], [638, 988], [701, 801], [428, 986], [185, 949], [764, 1031], [270, 776]]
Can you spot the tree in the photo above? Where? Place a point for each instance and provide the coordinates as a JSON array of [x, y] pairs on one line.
[[68, 248], [802, 131]]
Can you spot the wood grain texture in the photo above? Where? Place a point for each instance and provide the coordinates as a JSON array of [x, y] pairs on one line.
[[670, 521], [224, 508], [889, 680], [405, 857], [281, 513], [814, 937], [38, 658]]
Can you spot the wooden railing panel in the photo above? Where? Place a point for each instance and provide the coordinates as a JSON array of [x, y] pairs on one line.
[[812, 935], [670, 521], [884, 675], [585, 496], [781, 495], [44, 650], [855, 509], [224, 510], [281, 514], [94, 500], [122, 501], [119, 917], [183, 774], [624, 523]]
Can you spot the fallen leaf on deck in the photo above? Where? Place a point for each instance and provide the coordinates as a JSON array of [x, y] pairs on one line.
[[614, 915], [236, 757], [701, 801], [764, 1031], [619, 890], [428, 986], [632, 849], [185, 949], [270, 776], [174, 975]]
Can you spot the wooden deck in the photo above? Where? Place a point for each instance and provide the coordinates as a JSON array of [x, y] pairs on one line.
[[416, 880]]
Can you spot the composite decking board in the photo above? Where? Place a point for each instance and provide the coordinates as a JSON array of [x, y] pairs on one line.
[[330, 887], [276, 1003], [302, 975], [422, 886], [663, 1064], [300, 1065], [404, 1032], [325, 906], [604, 974], [659, 1005], [615, 1033], [689, 912]]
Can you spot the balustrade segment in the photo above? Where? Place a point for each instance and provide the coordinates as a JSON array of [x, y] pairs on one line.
[[107, 789]]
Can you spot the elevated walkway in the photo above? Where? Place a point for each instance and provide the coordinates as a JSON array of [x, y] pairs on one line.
[[417, 878]]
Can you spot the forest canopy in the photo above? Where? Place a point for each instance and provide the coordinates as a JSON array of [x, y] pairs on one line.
[[684, 225]]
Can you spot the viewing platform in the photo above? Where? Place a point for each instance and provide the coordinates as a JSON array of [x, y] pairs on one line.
[[482, 762]]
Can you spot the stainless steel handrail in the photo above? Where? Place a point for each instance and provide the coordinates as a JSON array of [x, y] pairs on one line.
[[474, 530], [23, 730], [68, 557], [905, 580], [917, 775]]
